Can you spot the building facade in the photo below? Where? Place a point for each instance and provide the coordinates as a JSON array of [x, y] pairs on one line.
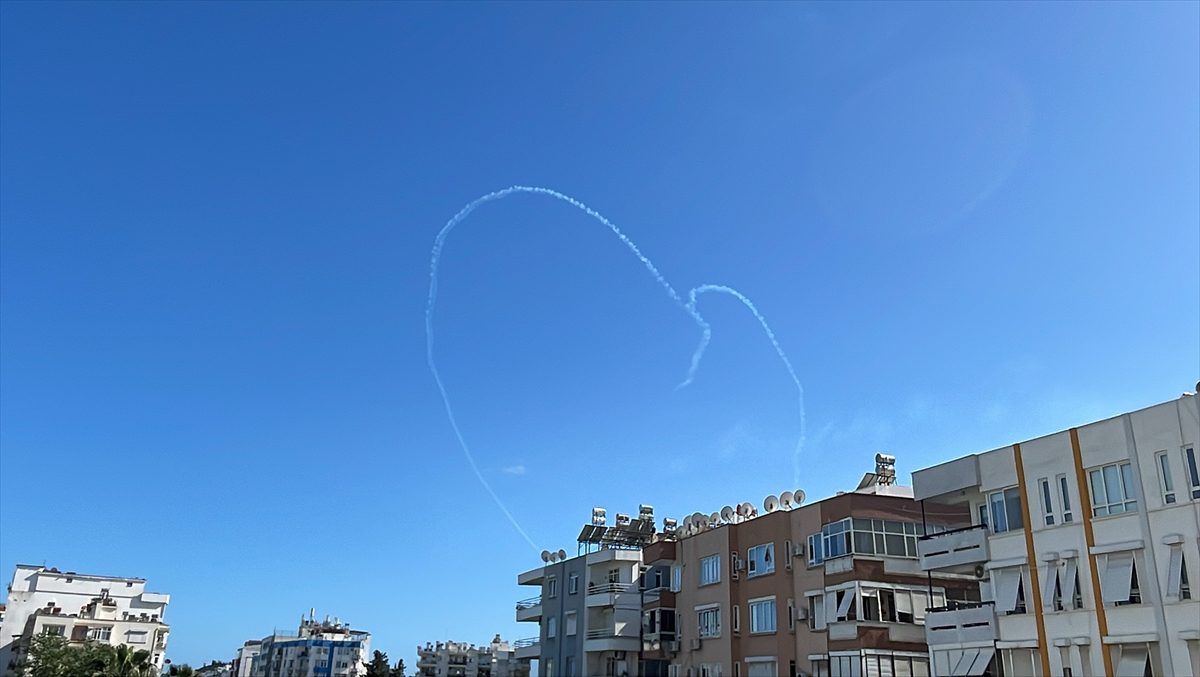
[[831, 588], [461, 659], [588, 613], [242, 665], [318, 649], [81, 608], [1084, 548]]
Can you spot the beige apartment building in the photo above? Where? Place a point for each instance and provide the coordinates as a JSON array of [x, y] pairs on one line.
[[1084, 546]]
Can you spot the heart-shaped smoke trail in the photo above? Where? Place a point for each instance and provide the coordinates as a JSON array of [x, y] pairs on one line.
[[688, 306]]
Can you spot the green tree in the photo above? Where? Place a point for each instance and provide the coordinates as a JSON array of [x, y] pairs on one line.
[[182, 670], [397, 671], [378, 667]]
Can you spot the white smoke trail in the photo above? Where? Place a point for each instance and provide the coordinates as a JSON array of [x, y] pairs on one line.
[[689, 307], [707, 336]]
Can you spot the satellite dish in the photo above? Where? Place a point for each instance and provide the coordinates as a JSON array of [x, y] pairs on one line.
[[687, 522], [714, 518], [727, 514], [562, 554], [749, 509], [798, 496], [771, 503], [545, 555], [785, 499]]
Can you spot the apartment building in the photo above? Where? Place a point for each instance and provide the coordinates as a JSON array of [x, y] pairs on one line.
[[589, 608], [829, 589], [242, 664], [326, 648], [1083, 545], [81, 608], [461, 659]]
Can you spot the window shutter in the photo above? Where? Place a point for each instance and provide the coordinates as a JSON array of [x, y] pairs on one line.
[[1006, 582], [1117, 577], [1174, 571]]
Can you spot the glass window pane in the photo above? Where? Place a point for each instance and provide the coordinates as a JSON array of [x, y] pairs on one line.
[[864, 544], [1012, 500], [999, 523], [1128, 482], [895, 545], [893, 527], [1189, 457], [1164, 468], [1098, 496], [1112, 484]]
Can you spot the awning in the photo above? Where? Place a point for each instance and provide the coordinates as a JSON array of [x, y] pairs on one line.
[[974, 662], [1133, 661]]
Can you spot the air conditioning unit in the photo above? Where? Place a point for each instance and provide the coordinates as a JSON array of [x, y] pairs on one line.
[[619, 655], [801, 613], [696, 643], [797, 550], [673, 647]]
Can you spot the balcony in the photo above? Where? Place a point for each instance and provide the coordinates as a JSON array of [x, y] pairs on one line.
[[530, 647], [616, 637], [874, 632], [530, 609], [532, 577], [658, 597], [958, 548], [605, 594], [659, 551], [961, 624]]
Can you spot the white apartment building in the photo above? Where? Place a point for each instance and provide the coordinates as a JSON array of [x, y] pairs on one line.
[[1086, 546], [80, 607], [318, 649], [243, 664], [461, 659]]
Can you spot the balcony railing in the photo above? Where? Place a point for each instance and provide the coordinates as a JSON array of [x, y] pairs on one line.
[[529, 603], [954, 548], [607, 588], [528, 641], [960, 623]]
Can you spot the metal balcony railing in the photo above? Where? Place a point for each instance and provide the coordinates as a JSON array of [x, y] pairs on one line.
[[528, 641], [606, 588], [529, 603]]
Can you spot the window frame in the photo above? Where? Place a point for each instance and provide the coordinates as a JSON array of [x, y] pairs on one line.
[[1064, 495], [768, 550], [1046, 497], [708, 621], [773, 616], [1121, 478], [1191, 469], [573, 584], [1166, 483], [712, 565]]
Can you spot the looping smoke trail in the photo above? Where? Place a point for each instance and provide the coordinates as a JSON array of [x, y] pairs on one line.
[[762, 321], [688, 306]]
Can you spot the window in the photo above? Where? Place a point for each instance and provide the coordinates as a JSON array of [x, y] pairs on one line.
[[136, 637], [816, 612], [710, 569], [551, 627], [571, 623], [573, 584], [614, 575], [736, 617], [791, 614], [762, 667], [1193, 473], [1177, 574], [710, 670], [1118, 580], [676, 578], [56, 630], [761, 559], [1113, 490], [570, 671], [846, 609], [1008, 587], [610, 666], [1004, 509], [762, 615], [1047, 504], [1065, 495], [816, 550], [100, 634], [1164, 477], [708, 621], [551, 586], [869, 537]]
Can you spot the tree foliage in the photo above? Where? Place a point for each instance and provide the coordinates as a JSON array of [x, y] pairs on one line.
[[397, 671], [378, 667], [53, 656]]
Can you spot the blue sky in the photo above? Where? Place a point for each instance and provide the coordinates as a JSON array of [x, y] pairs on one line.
[[968, 225]]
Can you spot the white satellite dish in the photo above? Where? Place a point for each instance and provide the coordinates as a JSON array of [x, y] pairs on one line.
[[785, 499], [545, 555], [771, 503], [748, 507], [798, 496], [714, 518], [727, 513], [562, 554], [699, 519], [687, 522]]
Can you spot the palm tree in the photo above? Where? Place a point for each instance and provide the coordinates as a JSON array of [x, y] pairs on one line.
[[126, 662]]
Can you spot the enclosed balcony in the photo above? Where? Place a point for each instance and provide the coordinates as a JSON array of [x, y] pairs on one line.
[[530, 609], [961, 623], [955, 549], [613, 637]]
